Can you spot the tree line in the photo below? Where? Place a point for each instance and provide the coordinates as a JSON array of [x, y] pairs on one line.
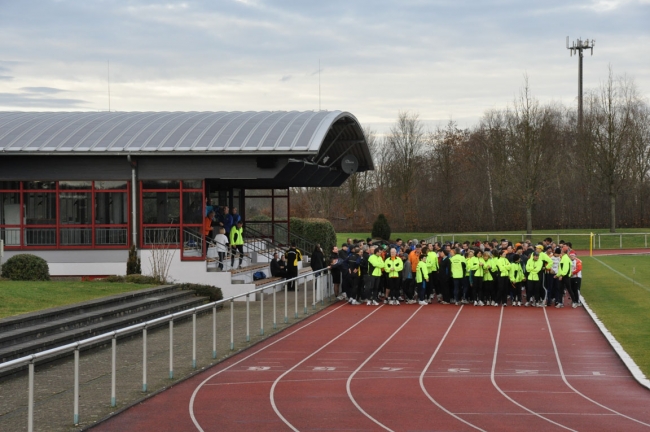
[[527, 166]]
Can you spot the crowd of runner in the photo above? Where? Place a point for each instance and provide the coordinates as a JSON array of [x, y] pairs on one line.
[[490, 273]]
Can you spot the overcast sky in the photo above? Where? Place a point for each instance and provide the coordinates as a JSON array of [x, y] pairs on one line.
[[442, 59]]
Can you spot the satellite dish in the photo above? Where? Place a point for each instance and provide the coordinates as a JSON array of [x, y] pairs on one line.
[[349, 164]]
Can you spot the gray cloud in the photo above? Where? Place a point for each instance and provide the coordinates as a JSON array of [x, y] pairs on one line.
[[42, 90], [6, 78], [285, 78], [23, 100]]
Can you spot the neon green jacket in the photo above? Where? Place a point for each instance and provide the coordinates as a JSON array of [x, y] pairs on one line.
[[504, 266], [547, 260], [377, 263], [393, 266], [422, 272], [534, 267], [516, 272], [236, 236], [432, 262], [487, 276], [565, 266], [473, 266], [457, 266]]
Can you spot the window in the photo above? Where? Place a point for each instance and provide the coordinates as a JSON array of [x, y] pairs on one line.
[[267, 213], [172, 215], [64, 214]]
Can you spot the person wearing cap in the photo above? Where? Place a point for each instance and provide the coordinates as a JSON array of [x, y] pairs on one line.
[[576, 275], [534, 267]]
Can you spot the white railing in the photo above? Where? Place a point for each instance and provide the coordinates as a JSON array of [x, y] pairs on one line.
[[322, 277], [600, 240]]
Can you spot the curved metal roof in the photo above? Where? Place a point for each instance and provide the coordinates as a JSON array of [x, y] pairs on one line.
[[176, 132]]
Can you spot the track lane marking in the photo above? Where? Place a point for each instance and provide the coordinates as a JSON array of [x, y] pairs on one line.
[[275, 383], [196, 390], [427, 367], [621, 274], [494, 383], [347, 385], [559, 363]]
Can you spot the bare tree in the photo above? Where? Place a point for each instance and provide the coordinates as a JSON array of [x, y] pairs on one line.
[[608, 133]]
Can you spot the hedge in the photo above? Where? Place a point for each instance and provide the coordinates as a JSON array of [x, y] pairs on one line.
[[26, 267], [316, 231]]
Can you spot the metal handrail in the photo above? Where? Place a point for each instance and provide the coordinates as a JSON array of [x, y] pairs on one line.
[[74, 347]]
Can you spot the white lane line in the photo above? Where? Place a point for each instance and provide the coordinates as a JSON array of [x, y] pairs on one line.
[[275, 383], [559, 363], [621, 274], [427, 367], [494, 383], [347, 385], [196, 390]]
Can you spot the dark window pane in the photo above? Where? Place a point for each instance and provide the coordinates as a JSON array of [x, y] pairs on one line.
[[111, 208], [9, 185], [9, 208], [40, 236], [75, 185], [192, 207], [161, 207], [38, 185], [75, 208], [40, 208], [192, 184], [280, 209], [76, 236], [102, 185], [161, 184], [281, 192], [258, 209]]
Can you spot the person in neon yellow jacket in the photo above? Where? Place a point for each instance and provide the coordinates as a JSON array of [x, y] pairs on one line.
[[393, 267], [476, 265], [489, 289], [375, 266], [421, 278], [503, 267], [516, 276], [564, 276], [432, 268], [458, 264], [534, 268], [237, 243]]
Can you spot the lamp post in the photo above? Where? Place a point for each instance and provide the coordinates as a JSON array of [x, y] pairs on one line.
[[578, 47]]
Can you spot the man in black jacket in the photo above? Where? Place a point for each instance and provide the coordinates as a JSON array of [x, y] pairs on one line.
[[293, 255], [276, 268]]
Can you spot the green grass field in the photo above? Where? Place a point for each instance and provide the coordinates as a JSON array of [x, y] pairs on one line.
[[622, 305], [578, 237], [22, 297]]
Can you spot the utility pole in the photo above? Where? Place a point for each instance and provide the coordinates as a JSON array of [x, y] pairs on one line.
[[576, 48]]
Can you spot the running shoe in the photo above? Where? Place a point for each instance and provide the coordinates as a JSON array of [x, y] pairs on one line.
[[494, 304], [429, 301], [390, 302], [559, 305], [480, 303], [396, 302], [422, 303], [400, 298], [574, 305], [463, 301], [475, 303], [369, 303], [579, 304], [374, 303], [526, 304], [518, 303]]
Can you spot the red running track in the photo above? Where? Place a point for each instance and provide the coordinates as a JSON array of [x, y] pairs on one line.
[[412, 368]]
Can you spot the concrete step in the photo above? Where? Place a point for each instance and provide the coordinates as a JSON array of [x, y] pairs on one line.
[[82, 319], [35, 318], [99, 327]]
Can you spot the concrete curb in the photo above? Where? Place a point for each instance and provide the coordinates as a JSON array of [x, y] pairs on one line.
[[627, 360]]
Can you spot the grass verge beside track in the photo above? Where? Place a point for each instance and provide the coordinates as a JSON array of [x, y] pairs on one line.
[[18, 297], [621, 304]]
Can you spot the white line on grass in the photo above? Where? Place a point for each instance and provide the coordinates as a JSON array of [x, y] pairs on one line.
[[559, 363], [427, 367], [347, 385], [196, 390], [494, 383], [275, 383], [621, 274]]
